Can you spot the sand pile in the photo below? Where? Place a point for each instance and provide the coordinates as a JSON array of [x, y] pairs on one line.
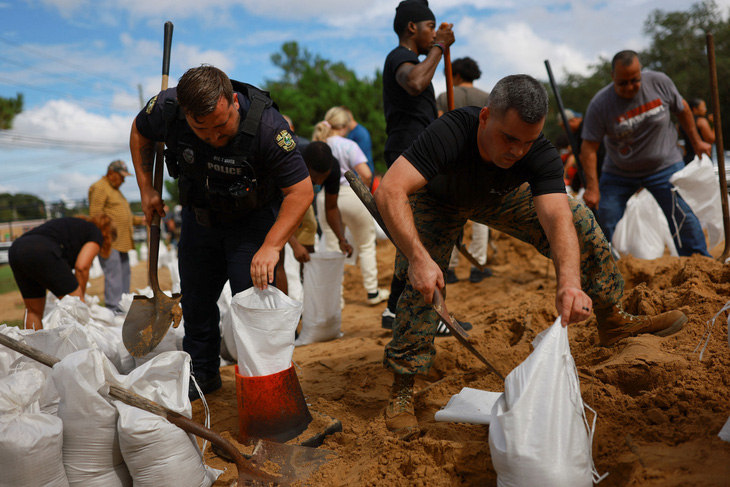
[[659, 407]]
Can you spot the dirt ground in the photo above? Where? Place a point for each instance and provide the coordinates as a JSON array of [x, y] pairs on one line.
[[659, 407]]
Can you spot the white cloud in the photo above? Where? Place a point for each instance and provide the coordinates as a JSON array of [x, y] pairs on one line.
[[62, 120]]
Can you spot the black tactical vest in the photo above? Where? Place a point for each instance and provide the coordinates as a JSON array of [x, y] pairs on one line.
[[222, 183]]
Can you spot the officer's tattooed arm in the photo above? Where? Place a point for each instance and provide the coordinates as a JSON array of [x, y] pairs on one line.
[[143, 157]]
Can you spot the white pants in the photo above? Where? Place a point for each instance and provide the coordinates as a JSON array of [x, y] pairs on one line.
[[477, 247], [362, 227]]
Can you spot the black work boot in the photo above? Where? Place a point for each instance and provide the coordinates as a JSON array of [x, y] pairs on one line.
[[400, 413], [615, 324]]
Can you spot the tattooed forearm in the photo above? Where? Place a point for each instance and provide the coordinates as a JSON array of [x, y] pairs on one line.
[[147, 152]]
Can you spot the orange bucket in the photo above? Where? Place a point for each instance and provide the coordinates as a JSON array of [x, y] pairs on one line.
[[271, 407]]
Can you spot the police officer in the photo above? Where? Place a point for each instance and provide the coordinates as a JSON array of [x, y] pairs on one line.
[[243, 187]]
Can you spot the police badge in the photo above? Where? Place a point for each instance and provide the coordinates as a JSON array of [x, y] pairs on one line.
[[285, 141], [151, 104], [189, 155]]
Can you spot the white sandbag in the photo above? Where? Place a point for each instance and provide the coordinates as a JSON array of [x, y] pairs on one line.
[[96, 270], [67, 338], [264, 323], [153, 448], [228, 342], [700, 189], [321, 310], [7, 355], [293, 275], [101, 314], [91, 453], [469, 406], [31, 442], [143, 252], [228, 337], [643, 231], [538, 433], [133, 258], [724, 433], [68, 307]]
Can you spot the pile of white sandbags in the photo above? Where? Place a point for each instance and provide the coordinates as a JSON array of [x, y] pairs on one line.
[[59, 426]]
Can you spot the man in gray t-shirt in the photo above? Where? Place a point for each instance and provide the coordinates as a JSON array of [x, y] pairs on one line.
[[632, 116]]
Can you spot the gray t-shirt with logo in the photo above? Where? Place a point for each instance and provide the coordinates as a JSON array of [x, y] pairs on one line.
[[639, 135]]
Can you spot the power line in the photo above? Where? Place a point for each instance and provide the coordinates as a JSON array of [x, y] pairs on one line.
[[66, 165], [75, 66], [56, 93], [31, 141], [42, 71]]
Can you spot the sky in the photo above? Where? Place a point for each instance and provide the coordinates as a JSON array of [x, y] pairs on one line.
[[85, 67]]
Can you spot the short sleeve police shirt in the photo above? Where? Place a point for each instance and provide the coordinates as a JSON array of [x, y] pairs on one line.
[[272, 148], [447, 155]]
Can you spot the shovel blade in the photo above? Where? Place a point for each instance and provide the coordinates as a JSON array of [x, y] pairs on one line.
[[148, 321], [288, 463]]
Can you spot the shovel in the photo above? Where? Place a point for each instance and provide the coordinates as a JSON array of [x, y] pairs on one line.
[[149, 319], [439, 305], [292, 462]]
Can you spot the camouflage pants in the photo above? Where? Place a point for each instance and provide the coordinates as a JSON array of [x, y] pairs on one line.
[[411, 350]]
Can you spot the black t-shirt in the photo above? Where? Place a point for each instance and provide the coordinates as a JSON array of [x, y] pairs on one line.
[[332, 183], [447, 155], [70, 233], [406, 116]]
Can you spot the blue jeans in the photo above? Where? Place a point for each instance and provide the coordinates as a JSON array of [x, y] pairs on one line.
[[207, 258], [616, 191]]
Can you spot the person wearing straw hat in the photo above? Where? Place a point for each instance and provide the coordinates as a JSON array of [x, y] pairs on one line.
[[105, 197]]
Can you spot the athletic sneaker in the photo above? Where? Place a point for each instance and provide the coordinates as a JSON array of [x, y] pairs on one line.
[[443, 331], [387, 319], [378, 297]]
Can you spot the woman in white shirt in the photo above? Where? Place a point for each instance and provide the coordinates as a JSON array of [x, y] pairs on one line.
[[355, 216]]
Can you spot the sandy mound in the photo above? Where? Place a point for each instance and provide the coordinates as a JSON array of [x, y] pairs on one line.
[[659, 407]]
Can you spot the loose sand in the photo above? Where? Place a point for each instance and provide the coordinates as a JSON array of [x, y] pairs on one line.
[[659, 407]]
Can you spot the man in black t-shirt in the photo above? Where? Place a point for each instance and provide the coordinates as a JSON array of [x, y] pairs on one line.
[[409, 102], [473, 164]]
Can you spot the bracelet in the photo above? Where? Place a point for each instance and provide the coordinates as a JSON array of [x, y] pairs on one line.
[[440, 46]]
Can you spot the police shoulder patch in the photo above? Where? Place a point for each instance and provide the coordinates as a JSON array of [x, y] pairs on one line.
[[151, 104], [285, 141]]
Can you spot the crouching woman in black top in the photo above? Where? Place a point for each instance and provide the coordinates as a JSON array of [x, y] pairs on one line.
[[57, 256]]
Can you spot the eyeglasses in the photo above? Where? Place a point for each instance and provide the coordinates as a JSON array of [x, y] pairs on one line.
[[626, 82]]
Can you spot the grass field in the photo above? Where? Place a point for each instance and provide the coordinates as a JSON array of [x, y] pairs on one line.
[[7, 282]]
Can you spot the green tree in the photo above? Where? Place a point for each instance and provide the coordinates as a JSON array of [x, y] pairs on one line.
[[310, 85], [21, 206], [677, 48], [9, 108]]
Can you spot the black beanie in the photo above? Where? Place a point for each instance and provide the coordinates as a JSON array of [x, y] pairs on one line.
[[411, 11]]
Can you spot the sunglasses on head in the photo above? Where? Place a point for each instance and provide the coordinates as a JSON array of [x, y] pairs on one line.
[[626, 82]]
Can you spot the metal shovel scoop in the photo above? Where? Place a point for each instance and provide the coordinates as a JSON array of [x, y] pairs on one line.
[[149, 319]]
